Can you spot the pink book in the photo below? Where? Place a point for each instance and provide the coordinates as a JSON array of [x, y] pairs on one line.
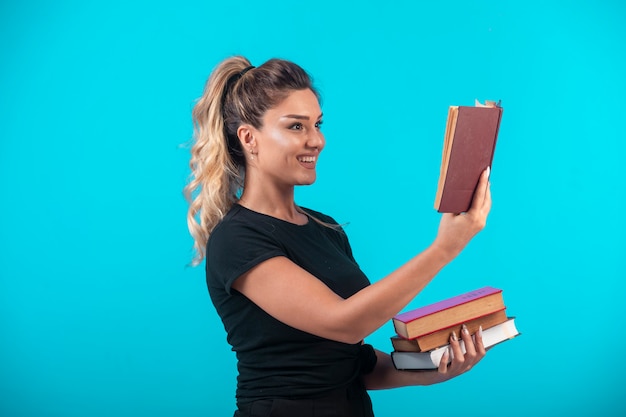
[[403, 325], [445, 304]]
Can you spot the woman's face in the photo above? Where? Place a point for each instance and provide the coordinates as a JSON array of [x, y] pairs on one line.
[[290, 141]]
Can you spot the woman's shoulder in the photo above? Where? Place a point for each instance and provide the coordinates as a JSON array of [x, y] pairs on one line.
[[242, 220], [240, 227], [320, 216], [236, 217]]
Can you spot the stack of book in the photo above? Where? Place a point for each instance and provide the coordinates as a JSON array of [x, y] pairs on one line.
[[423, 334]]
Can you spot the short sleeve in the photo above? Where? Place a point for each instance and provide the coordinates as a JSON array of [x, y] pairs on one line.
[[234, 248]]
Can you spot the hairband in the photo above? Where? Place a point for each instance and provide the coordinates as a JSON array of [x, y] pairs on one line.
[[246, 70], [232, 80]]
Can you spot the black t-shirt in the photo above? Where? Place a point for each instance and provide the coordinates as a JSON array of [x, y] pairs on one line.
[[274, 359]]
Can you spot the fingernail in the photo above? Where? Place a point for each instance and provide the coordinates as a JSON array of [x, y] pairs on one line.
[[464, 329], [453, 336], [480, 331], [488, 171]]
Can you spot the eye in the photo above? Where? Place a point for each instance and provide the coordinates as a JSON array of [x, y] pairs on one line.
[[296, 126], [318, 125]]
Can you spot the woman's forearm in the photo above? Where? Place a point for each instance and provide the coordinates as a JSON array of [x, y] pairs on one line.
[[385, 375], [372, 307]]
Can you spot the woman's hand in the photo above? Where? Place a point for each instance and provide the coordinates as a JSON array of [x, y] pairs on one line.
[[456, 230], [461, 363], [385, 375]]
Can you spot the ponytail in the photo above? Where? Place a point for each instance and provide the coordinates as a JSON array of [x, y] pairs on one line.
[[215, 177]]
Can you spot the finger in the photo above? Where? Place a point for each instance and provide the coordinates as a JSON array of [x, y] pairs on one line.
[[457, 352], [485, 185], [487, 202], [478, 342], [471, 356], [481, 190], [443, 363], [470, 350]]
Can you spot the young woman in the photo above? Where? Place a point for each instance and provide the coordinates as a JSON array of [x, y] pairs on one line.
[[294, 303]]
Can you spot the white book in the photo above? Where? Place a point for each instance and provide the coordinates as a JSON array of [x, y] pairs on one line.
[[431, 359]]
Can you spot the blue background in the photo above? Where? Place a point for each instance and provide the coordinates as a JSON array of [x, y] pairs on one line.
[[99, 314]]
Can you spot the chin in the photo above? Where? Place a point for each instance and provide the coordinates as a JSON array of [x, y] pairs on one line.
[[308, 181]]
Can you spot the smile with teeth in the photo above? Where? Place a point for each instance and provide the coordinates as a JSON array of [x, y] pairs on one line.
[[306, 159]]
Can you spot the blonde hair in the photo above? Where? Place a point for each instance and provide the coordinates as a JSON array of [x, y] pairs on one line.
[[235, 93]]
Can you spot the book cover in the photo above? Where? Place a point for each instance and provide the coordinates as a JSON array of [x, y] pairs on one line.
[[449, 312], [469, 145], [432, 358]]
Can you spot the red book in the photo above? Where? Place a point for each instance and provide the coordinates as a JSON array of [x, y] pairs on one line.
[[468, 149], [442, 337], [450, 312]]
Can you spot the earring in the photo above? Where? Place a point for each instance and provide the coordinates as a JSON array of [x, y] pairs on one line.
[[251, 154]]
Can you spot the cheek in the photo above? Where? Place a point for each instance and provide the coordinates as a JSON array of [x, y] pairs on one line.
[[278, 141]]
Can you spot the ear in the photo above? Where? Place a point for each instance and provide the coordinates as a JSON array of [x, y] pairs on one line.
[[245, 133]]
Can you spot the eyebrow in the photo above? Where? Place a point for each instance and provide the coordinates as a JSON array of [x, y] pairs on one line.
[[300, 117]]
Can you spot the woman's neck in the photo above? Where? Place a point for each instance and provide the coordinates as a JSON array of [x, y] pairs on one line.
[[279, 204]]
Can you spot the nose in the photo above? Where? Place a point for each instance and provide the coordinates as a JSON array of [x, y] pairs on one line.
[[316, 140]]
